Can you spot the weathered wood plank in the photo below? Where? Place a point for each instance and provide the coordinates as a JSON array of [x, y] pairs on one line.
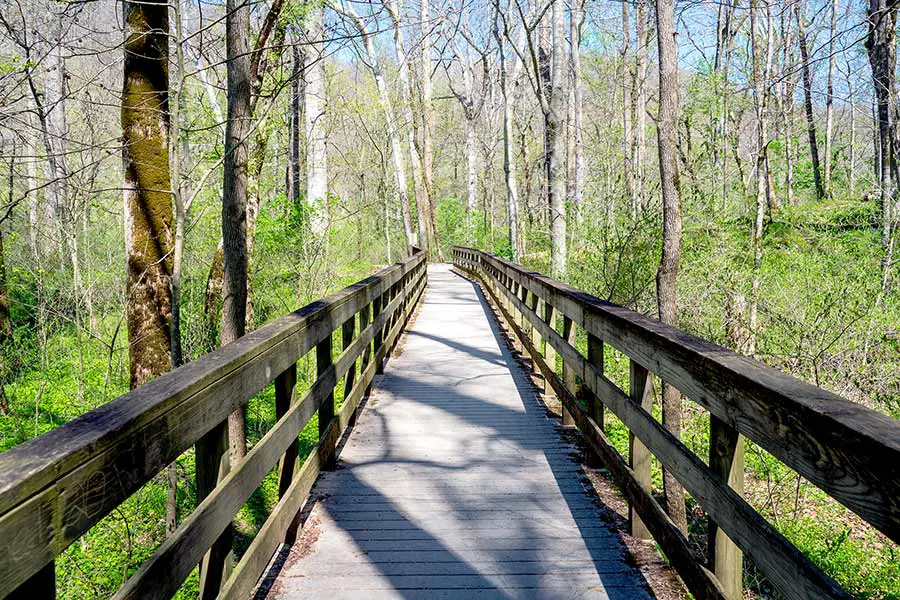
[[212, 466], [285, 389], [641, 393], [570, 379], [595, 357], [726, 461], [161, 576]]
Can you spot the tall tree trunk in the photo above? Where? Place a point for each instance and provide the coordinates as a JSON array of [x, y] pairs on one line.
[[762, 175], [627, 110], [315, 101], [728, 34], [667, 276], [388, 109], [471, 175], [787, 105], [234, 197], [640, 102], [296, 115], [829, 97], [545, 88], [800, 9], [851, 99], [557, 143], [509, 157], [577, 21], [6, 329], [428, 123], [406, 72], [148, 203], [881, 16]]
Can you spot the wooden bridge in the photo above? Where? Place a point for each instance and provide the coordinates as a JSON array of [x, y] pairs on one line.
[[452, 480]]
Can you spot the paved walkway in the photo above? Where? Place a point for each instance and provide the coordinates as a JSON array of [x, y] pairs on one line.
[[454, 482]]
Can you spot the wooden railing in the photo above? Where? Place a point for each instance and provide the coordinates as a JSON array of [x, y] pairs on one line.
[[847, 450], [54, 488]]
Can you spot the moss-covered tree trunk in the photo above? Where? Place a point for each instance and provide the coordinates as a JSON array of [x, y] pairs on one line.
[[148, 201]]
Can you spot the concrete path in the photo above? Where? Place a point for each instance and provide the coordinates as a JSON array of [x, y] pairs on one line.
[[454, 482]]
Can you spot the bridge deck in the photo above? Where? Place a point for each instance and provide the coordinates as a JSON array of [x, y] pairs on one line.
[[454, 482]]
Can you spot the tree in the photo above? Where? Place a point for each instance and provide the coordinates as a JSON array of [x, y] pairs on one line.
[[234, 197], [800, 9], [508, 75], [315, 101], [667, 275], [556, 143], [427, 126], [374, 64], [881, 18], [829, 97], [148, 202], [471, 99], [627, 111], [394, 8], [577, 22]]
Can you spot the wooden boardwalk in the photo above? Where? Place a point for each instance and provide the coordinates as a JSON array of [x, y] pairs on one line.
[[455, 483]]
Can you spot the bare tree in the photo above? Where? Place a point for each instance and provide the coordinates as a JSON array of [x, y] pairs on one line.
[[800, 10], [315, 101], [508, 76], [395, 8], [374, 63], [575, 26], [427, 128], [881, 17], [471, 99], [640, 101], [829, 97], [627, 110]]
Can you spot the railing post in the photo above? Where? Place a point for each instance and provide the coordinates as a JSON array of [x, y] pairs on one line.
[[348, 331], [284, 397], [594, 357], [285, 388], [568, 374], [326, 408], [535, 335], [212, 465], [367, 352], [641, 393], [379, 334], [549, 350], [726, 460]]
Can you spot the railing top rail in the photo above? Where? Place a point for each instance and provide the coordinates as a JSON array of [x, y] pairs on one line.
[[32, 466], [846, 449]]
